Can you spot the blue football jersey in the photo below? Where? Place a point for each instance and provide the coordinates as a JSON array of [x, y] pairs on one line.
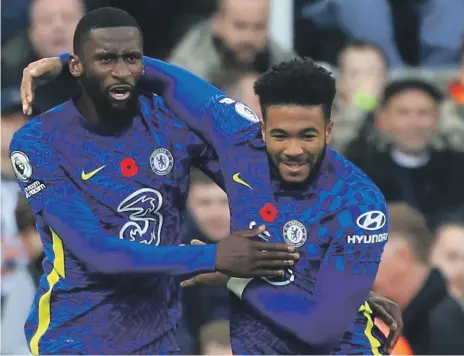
[[339, 224], [109, 209], [340, 227]]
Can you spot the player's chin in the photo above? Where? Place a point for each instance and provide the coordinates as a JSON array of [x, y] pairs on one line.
[[120, 104], [293, 174]]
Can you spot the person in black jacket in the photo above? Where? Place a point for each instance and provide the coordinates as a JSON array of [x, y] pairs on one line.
[[433, 320], [410, 170]]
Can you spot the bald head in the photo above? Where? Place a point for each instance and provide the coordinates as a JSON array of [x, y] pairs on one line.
[[259, 6], [243, 27]]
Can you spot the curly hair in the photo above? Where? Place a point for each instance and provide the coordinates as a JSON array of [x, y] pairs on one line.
[[296, 82]]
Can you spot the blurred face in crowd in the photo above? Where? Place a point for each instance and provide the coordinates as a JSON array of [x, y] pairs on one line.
[[411, 119], [397, 258], [295, 138], [9, 125], [53, 24], [209, 207], [448, 255], [247, 94], [362, 71], [242, 25], [109, 66]]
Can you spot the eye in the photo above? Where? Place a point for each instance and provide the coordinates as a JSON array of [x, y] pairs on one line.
[[309, 137], [279, 137], [105, 59], [132, 57]]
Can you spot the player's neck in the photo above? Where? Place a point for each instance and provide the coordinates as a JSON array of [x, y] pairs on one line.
[[88, 109], [411, 284]]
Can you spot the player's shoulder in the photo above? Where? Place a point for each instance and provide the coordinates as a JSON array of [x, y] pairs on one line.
[[41, 129], [358, 187]]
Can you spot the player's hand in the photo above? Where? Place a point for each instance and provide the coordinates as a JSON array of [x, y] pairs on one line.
[[390, 313], [214, 279], [239, 256], [38, 73]]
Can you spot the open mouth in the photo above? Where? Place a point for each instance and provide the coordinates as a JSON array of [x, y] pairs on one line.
[[120, 92]]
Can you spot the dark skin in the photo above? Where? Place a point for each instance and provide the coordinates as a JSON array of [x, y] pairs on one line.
[[294, 140], [109, 66]]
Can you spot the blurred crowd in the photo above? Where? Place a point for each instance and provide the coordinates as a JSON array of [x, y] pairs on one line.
[[399, 116]]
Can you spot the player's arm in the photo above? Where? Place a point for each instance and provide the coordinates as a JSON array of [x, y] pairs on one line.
[[343, 284], [56, 202]]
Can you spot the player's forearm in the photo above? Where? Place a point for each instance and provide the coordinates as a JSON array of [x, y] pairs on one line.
[[76, 225], [320, 320]]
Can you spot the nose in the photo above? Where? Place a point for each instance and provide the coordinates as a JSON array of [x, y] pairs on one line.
[[121, 70], [294, 149]]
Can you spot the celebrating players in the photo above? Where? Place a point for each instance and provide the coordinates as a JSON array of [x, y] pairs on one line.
[[106, 175], [318, 201]]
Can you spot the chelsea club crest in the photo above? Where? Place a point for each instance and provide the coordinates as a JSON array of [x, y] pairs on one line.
[[295, 233], [161, 161]]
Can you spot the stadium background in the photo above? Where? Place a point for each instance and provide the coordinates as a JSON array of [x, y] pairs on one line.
[[399, 115]]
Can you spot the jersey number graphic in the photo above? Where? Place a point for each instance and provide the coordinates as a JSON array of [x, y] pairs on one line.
[[145, 220]]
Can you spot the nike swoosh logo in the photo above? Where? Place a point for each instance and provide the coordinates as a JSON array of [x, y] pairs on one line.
[[87, 176], [237, 179]]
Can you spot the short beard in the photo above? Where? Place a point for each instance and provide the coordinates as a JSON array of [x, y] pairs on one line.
[[109, 116]]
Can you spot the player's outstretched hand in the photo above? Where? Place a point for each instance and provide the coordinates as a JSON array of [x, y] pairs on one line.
[[37, 73], [239, 256], [390, 313]]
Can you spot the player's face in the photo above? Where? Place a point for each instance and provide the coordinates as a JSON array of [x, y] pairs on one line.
[[295, 138], [411, 119], [112, 63], [209, 207]]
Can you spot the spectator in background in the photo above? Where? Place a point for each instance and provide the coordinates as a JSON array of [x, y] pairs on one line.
[[240, 86], [452, 124], [411, 170], [208, 220], [12, 120], [448, 253], [236, 37], [23, 283], [362, 76], [411, 32], [433, 320], [50, 32], [214, 339]]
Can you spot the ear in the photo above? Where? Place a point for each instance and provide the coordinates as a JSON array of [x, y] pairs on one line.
[[263, 129], [328, 132], [75, 66]]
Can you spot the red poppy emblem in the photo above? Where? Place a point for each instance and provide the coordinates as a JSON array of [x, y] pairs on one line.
[[268, 212], [129, 167]]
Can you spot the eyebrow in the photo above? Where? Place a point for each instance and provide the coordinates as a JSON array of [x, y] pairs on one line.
[[304, 131]]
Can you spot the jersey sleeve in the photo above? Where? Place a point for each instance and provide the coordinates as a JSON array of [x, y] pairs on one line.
[[57, 202], [204, 108], [320, 316], [38, 169]]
